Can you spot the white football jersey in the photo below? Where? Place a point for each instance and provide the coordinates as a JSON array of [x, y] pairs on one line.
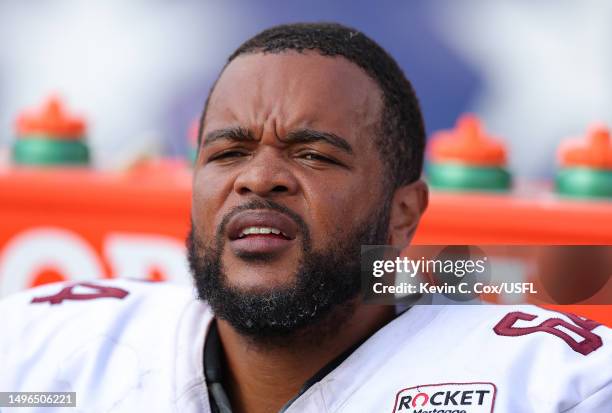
[[131, 346]]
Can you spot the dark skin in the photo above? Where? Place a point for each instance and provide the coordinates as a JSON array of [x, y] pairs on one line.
[[297, 129]]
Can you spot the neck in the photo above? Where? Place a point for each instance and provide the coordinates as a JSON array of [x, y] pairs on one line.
[[264, 377]]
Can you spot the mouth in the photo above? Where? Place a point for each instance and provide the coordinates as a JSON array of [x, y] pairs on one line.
[[255, 232]]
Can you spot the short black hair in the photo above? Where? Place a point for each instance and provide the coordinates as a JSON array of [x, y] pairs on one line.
[[401, 137]]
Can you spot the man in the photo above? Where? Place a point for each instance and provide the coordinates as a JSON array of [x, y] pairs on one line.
[[311, 146]]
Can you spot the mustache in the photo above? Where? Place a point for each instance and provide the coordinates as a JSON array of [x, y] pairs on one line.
[[262, 203]]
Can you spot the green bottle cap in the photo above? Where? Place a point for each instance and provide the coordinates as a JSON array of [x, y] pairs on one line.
[[584, 182], [458, 176], [193, 155], [38, 150]]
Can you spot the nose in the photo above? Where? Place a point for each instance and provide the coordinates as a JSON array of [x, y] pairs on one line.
[[267, 175]]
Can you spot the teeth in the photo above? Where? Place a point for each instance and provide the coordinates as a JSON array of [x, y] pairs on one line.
[[260, 230]]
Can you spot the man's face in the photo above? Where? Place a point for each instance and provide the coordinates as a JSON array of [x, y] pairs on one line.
[[288, 170]]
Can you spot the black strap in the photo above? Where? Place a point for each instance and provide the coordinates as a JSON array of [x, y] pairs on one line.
[[214, 370]]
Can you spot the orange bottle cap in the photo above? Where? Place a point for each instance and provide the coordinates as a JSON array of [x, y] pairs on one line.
[[52, 121], [593, 152], [468, 144]]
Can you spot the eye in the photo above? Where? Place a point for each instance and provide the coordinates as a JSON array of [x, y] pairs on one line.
[[313, 156], [231, 154]]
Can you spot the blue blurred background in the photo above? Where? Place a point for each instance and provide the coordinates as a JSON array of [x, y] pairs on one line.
[[534, 71]]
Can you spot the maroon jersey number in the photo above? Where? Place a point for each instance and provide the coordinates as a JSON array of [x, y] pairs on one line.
[[580, 326], [67, 293]]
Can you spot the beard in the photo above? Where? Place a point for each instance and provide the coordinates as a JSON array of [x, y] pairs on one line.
[[318, 299]]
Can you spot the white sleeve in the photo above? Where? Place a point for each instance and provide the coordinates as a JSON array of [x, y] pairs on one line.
[[600, 401]]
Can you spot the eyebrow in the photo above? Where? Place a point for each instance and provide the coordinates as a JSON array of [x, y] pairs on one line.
[[311, 135], [235, 133], [305, 135]]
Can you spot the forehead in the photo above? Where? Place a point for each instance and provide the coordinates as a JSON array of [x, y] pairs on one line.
[[292, 90]]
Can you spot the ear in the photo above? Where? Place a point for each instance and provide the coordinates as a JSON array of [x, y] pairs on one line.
[[408, 204]]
